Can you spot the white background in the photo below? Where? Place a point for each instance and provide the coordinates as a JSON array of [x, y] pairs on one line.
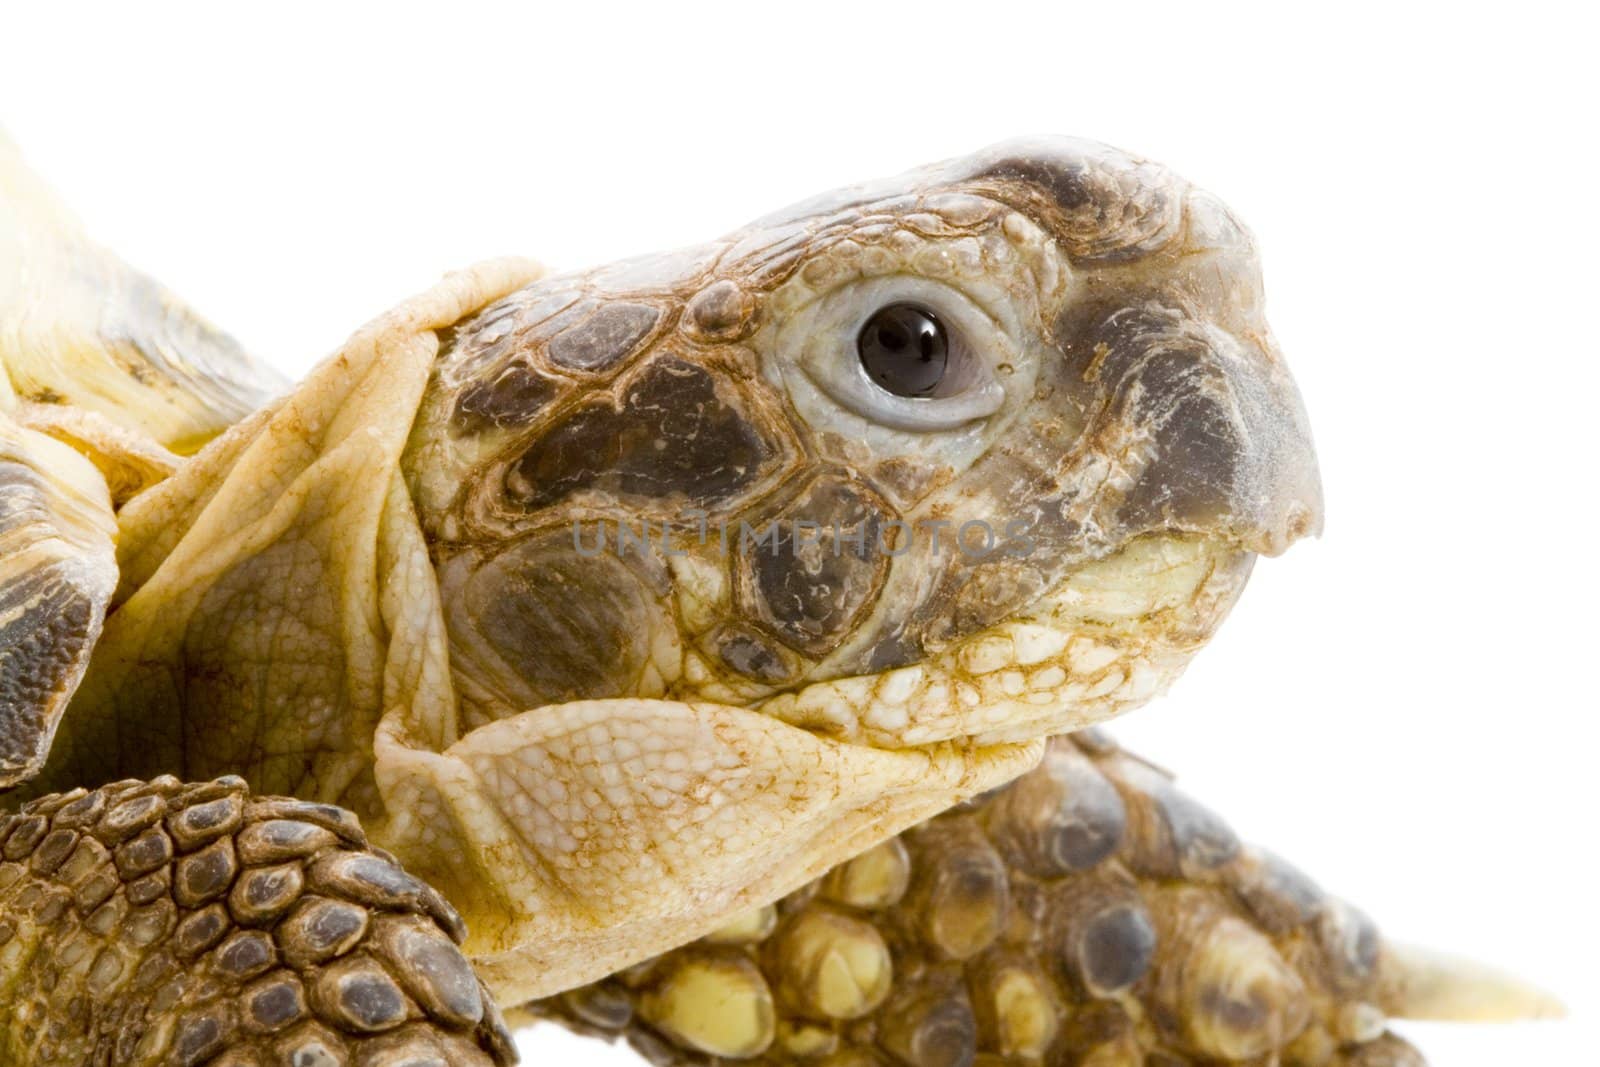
[[1407, 707]]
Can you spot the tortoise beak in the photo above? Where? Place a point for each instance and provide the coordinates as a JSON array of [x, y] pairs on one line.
[[1276, 495], [1209, 427], [1187, 399]]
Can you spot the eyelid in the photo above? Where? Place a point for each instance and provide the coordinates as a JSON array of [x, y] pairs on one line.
[[829, 360], [864, 397]]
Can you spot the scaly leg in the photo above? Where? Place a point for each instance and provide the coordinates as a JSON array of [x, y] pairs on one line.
[[162, 923], [1088, 914]]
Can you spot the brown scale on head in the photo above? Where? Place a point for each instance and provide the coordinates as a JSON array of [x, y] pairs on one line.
[[1024, 530]]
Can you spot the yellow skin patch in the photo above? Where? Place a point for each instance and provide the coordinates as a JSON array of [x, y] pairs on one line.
[[296, 601], [1109, 638]]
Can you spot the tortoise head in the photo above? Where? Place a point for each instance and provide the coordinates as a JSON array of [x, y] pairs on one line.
[[983, 452], [619, 602]]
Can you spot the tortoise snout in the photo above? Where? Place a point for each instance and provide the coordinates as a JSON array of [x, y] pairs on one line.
[[1282, 498], [1209, 430], [1277, 493]]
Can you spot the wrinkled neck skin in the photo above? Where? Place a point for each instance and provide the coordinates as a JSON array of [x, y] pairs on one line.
[[264, 586], [386, 591]]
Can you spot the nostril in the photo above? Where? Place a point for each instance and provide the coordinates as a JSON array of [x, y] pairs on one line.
[[1299, 519], [1300, 522]]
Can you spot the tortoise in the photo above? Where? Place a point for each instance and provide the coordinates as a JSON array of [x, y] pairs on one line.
[[709, 644]]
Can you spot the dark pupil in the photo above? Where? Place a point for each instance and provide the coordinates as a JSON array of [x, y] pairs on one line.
[[904, 349]]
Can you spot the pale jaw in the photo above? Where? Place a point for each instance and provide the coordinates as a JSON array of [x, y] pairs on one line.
[[1109, 637]]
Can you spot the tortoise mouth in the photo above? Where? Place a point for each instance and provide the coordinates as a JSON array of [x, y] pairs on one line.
[[1105, 639]]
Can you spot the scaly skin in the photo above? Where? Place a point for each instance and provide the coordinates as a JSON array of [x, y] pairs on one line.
[[164, 924], [1088, 914]]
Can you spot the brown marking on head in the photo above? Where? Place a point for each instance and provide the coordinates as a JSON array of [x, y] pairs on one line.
[[1111, 381]]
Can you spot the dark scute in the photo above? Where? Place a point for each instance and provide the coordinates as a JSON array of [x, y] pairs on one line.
[[604, 339], [438, 975], [53, 850], [810, 583], [144, 853], [370, 1000], [975, 594], [1065, 817], [22, 835], [276, 1004], [1091, 828], [1350, 939], [1279, 895], [752, 656], [1102, 204], [332, 923], [1065, 181], [199, 1039], [1116, 948], [1155, 369], [45, 623], [514, 396], [722, 311], [378, 880], [607, 1005], [1203, 840], [895, 649], [674, 435], [567, 627], [200, 930], [510, 327], [245, 954], [206, 874], [1197, 444], [931, 1026]]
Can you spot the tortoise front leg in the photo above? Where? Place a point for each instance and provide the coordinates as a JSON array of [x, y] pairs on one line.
[[164, 923]]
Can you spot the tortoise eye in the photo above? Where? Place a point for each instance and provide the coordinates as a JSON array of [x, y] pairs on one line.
[[899, 351], [904, 349]]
